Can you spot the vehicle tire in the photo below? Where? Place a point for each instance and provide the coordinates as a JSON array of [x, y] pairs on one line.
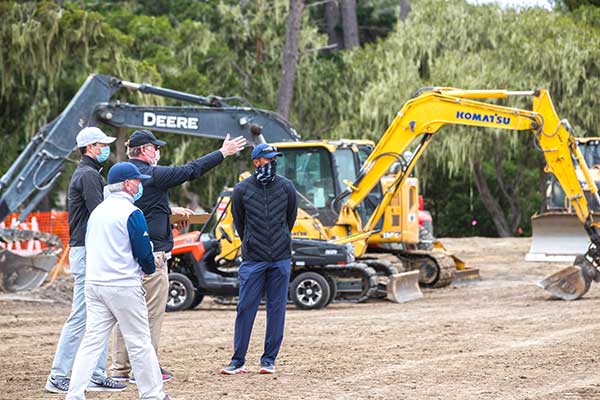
[[197, 300], [309, 291], [332, 289], [181, 292]]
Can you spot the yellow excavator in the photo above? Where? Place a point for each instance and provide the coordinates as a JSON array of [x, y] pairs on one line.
[[418, 121], [319, 170]]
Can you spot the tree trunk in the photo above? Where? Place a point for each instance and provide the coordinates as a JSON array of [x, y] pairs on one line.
[[290, 58], [332, 24], [120, 145], [350, 23], [507, 192], [404, 9], [490, 202]]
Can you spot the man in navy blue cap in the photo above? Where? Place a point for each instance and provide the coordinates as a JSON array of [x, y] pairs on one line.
[[143, 149], [119, 254], [264, 212]]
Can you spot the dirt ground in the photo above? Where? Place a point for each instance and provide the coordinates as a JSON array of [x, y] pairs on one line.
[[500, 338]]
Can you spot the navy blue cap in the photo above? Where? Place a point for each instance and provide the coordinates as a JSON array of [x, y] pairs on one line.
[[265, 150], [123, 171], [141, 137]]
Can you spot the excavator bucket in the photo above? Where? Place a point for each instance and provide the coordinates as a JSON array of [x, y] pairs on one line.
[[404, 287], [26, 272], [557, 237], [573, 282]]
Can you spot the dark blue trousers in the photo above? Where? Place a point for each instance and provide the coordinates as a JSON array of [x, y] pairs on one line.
[[255, 278]]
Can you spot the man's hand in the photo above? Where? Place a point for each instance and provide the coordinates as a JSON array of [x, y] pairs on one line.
[[232, 146], [184, 212]]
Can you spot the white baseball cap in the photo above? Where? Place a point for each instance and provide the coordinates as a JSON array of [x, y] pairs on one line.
[[91, 134]]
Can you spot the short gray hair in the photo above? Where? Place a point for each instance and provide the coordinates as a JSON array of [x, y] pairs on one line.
[[134, 152], [116, 187]]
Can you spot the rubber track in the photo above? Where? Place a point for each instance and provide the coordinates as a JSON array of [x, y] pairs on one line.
[[363, 271], [444, 262], [384, 267]]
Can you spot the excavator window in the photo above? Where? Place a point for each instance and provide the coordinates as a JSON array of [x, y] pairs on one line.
[[346, 167], [311, 170]]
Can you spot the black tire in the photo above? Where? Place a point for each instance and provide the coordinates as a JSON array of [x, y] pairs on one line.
[[332, 289], [197, 300], [181, 292], [309, 291]]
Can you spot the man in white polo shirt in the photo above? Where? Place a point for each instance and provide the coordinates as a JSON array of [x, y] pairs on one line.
[[119, 252]]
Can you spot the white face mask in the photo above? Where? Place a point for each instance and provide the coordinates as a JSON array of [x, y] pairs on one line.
[[154, 159]]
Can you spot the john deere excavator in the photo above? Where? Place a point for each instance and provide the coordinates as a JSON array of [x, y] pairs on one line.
[[557, 234], [35, 171]]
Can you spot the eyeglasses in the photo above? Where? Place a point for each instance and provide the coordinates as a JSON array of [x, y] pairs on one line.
[[156, 147]]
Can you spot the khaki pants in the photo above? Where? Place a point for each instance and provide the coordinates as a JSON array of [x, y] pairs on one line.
[[157, 293]]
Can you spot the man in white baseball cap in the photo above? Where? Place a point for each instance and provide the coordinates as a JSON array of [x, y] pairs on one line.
[[83, 195], [91, 135]]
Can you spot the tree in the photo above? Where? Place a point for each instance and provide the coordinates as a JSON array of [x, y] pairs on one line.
[[332, 23], [349, 23], [290, 58]]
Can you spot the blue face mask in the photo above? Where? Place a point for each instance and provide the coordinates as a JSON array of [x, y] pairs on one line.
[[140, 192], [104, 153]]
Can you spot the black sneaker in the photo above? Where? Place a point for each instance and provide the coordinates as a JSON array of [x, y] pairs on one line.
[[101, 384], [57, 384]]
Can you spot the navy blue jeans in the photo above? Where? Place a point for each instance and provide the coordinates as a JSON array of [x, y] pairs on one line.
[[255, 278]]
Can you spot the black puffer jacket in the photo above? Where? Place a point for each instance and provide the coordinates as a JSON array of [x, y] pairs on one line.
[[264, 217]]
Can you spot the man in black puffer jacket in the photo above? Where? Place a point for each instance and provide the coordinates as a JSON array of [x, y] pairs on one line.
[[264, 212]]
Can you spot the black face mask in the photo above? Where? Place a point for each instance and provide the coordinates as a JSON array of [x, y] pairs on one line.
[[266, 173]]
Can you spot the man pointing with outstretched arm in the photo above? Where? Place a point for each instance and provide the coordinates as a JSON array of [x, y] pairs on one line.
[[144, 152]]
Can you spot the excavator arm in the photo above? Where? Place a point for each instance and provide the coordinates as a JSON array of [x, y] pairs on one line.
[[423, 116]]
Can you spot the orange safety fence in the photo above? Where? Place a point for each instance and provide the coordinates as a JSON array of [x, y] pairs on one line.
[[55, 222]]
